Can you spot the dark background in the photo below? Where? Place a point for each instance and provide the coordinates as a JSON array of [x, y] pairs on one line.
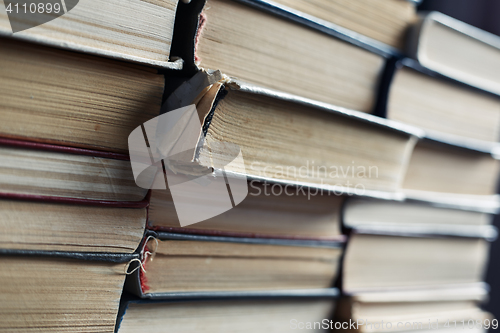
[[484, 14]]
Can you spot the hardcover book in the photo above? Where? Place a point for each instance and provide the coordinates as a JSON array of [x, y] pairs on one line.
[[60, 291], [134, 30], [276, 314], [435, 309], [375, 262], [268, 45], [30, 169], [457, 49], [448, 110], [180, 265], [71, 99], [291, 140]]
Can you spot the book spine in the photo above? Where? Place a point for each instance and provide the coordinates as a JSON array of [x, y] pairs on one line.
[[384, 88], [87, 256], [186, 27], [218, 233]]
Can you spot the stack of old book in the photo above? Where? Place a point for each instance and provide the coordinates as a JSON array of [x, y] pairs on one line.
[[294, 97], [245, 166], [71, 215], [282, 100], [420, 264]]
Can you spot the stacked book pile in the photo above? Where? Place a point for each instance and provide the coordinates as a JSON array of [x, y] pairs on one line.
[[71, 214], [246, 165]]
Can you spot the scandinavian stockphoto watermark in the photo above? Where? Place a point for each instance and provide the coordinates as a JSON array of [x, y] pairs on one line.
[[327, 179], [162, 155], [26, 14]]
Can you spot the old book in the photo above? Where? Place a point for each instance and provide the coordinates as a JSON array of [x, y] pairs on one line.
[[71, 99], [405, 260], [434, 309], [286, 139], [56, 226], [436, 169], [457, 50], [259, 47], [376, 215], [384, 21], [262, 213], [188, 264], [228, 315], [446, 109], [45, 171], [135, 30], [59, 293]]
